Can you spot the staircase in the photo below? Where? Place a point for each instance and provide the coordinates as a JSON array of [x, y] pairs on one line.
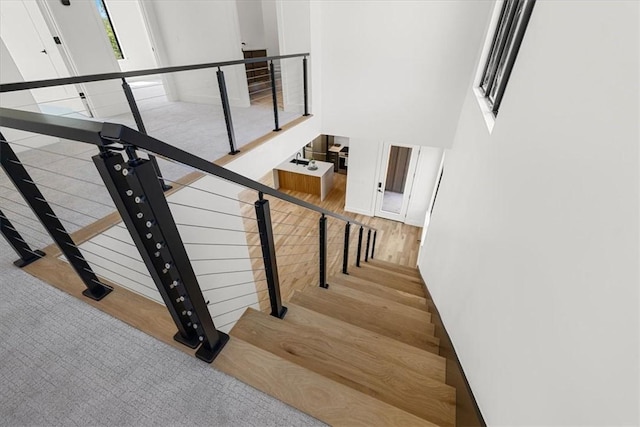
[[362, 352]]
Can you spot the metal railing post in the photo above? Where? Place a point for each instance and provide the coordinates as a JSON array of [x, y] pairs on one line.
[[139, 198], [358, 255], [305, 86], [133, 106], [373, 247], [366, 252], [135, 112], [323, 251], [263, 215], [36, 201], [345, 255], [15, 240], [226, 109], [274, 95]]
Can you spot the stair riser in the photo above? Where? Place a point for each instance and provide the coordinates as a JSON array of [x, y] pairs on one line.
[[368, 317], [389, 280], [400, 297], [406, 356], [391, 306]]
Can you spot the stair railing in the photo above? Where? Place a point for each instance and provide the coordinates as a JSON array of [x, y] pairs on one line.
[[296, 91], [164, 244]]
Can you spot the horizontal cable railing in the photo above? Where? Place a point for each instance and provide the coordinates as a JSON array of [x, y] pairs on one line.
[[208, 249], [11, 87], [147, 105]]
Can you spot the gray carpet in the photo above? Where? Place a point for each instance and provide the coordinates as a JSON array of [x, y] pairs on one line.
[[65, 363]]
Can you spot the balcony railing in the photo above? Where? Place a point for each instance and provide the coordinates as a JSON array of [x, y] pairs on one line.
[[284, 86], [215, 244]]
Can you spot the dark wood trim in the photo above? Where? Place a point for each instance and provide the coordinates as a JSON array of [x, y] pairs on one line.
[[467, 411]]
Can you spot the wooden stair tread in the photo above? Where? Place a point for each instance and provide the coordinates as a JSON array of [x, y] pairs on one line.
[[382, 291], [389, 279], [409, 271], [413, 278], [340, 361], [407, 356], [318, 396], [367, 316], [392, 306]]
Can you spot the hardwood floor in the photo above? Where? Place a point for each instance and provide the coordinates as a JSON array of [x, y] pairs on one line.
[[296, 235]]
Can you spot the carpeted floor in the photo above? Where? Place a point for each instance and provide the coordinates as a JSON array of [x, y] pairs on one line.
[[65, 363]]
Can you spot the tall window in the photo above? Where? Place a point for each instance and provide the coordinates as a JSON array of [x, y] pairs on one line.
[[108, 26], [504, 48]]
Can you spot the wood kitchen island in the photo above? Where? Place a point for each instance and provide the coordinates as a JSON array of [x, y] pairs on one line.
[[290, 176]]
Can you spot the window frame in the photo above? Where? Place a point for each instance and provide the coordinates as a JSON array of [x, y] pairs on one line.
[[507, 38]]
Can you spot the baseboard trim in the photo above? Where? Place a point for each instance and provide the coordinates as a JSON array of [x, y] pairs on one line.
[[413, 222], [358, 211], [467, 410]]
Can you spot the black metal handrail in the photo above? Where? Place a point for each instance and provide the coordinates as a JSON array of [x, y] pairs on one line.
[[12, 87], [104, 134], [149, 220]]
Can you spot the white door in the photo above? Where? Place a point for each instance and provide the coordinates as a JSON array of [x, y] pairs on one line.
[[32, 47], [397, 170]]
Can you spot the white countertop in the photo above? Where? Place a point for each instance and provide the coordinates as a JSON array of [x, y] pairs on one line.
[[323, 167]]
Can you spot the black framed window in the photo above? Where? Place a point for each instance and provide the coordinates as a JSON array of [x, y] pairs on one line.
[[507, 38], [108, 27]]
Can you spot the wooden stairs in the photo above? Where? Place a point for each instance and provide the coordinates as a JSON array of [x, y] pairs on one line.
[[362, 352]]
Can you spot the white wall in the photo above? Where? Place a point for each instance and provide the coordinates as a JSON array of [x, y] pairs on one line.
[[390, 72], [194, 32], [342, 140], [423, 185], [131, 31], [261, 160], [532, 253], [251, 24], [294, 35], [85, 41], [22, 100], [362, 175], [270, 25]]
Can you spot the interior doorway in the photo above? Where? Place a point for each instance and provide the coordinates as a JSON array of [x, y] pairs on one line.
[[396, 180], [34, 50]]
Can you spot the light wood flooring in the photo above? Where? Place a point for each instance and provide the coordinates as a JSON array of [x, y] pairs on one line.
[[296, 236]]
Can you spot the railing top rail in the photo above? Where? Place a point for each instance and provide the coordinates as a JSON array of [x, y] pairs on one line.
[[105, 134], [12, 87]]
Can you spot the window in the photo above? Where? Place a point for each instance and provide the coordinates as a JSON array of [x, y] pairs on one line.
[[108, 26], [504, 48]]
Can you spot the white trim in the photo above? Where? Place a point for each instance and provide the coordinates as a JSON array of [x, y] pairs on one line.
[[427, 220], [358, 211], [487, 114], [383, 165], [158, 47]]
